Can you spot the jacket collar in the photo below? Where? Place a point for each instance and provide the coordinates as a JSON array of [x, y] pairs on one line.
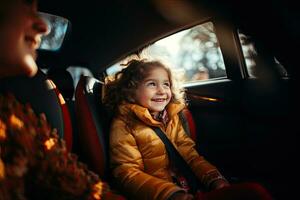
[[143, 113]]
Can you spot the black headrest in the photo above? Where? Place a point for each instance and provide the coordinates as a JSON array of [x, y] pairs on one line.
[[39, 93], [93, 92], [63, 81]]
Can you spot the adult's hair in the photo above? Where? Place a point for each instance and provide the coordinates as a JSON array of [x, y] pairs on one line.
[[122, 87]]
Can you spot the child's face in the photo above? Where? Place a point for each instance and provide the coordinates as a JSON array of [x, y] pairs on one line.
[[154, 92], [20, 34]]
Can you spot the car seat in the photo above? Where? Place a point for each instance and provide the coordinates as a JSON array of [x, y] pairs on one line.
[[64, 83], [94, 123], [44, 97], [188, 123]]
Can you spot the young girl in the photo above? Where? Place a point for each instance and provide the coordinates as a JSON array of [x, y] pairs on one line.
[[144, 95]]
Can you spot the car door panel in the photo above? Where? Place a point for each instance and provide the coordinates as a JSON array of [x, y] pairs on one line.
[[246, 128], [214, 105]]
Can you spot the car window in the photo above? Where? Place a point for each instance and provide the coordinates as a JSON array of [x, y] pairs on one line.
[[57, 27], [194, 54], [254, 60]]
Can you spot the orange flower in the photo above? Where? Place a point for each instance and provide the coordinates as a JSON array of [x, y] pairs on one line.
[[16, 122], [2, 130], [2, 170], [50, 143], [98, 190]]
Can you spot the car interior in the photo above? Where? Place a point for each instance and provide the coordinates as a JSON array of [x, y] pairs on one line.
[[243, 118]]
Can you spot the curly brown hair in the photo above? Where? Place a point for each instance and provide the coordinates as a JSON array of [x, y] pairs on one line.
[[122, 87]]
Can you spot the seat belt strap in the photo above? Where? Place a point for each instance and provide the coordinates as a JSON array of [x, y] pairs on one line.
[[179, 162]]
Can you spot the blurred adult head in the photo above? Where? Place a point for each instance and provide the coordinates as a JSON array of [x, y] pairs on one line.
[[21, 29]]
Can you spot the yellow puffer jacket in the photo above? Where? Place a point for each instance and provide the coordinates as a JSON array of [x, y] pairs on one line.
[[138, 156]]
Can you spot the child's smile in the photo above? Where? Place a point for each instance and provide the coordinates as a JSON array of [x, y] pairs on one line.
[[159, 99]]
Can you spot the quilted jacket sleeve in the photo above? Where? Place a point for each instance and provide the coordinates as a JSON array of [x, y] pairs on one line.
[[128, 168], [186, 147]]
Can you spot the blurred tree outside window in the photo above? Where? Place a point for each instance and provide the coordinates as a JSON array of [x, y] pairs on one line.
[[194, 54]]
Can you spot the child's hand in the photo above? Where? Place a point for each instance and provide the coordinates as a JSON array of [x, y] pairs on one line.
[[218, 184], [181, 196]]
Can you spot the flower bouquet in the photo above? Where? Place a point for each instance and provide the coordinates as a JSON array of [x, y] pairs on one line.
[[34, 161]]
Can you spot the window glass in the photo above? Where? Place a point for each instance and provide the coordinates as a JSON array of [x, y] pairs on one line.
[[194, 54], [57, 27], [256, 63]]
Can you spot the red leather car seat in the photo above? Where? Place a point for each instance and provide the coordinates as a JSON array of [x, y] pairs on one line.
[[93, 124], [188, 123], [63, 85], [68, 129]]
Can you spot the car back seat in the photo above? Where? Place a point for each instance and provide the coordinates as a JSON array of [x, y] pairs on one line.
[[188, 123], [94, 124], [44, 97]]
